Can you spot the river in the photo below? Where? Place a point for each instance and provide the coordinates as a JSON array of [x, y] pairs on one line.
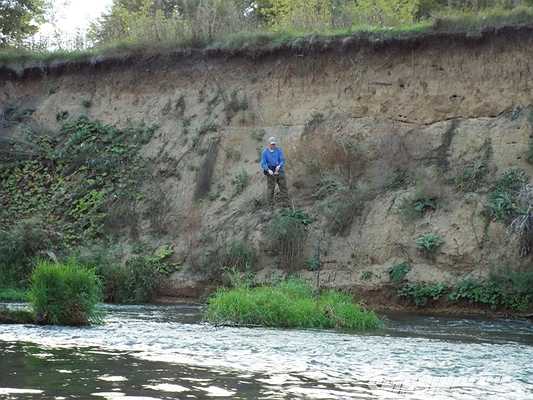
[[166, 352]]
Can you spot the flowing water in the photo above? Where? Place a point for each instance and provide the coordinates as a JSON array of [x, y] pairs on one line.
[[165, 352]]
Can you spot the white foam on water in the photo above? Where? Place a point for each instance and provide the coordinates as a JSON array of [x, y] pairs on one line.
[[215, 391], [4, 391], [108, 395], [167, 387], [109, 378]]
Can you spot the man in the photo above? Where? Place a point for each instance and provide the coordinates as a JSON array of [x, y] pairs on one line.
[[272, 164]]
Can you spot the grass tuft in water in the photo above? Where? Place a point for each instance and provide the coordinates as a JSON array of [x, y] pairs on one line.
[[16, 316], [65, 294], [13, 294], [288, 304]]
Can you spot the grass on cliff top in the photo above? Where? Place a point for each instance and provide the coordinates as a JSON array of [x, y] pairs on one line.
[[470, 23], [288, 304]]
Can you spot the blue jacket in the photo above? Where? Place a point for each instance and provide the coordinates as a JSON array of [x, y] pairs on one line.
[[271, 159]]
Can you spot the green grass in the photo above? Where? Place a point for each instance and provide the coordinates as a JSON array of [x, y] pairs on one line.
[[288, 304], [13, 295], [469, 23]]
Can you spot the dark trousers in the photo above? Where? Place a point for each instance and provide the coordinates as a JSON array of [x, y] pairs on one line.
[[281, 181]]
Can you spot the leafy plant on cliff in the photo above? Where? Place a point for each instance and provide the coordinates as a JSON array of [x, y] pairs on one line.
[[398, 272], [504, 289], [428, 243], [422, 293], [75, 177], [19, 245], [501, 199], [415, 206]]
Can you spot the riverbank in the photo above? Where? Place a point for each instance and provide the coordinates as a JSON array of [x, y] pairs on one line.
[[386, 301]]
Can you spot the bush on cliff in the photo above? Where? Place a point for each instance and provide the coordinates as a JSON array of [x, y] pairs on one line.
[[64, 294], [18, 246], [288, 304], [134, 281]]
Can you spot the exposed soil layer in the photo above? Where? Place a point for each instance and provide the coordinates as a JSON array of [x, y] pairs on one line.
[[429, 107]]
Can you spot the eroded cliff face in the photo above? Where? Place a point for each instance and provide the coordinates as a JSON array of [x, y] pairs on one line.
[[401, 120]]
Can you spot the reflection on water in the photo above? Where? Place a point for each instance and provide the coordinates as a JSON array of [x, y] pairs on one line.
[[165, 352]]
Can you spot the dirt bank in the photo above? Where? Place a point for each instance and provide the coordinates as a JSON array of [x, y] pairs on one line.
[[387, 120]]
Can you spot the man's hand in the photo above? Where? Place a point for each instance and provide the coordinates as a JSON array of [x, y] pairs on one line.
[[270, 172], [277, 170]]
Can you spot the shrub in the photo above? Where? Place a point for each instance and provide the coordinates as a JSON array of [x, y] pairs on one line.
[[235, 104], [105, 261], [288, 232], [472, 176], [316, 119], [500, 205], [258, 134], [506, 289], [512, 180], [240, 182], [421, 293], [288, 304], [240, 255], [399, 178], [328, 185], [142, 276], [236, 278], [415, 206], [398, 272], [522, 224], [232, 154], [313, 263], [367, 275], [135, 281], [428, 243], [503, 195], [340, 203], [334, 155], [18, 246], [64, 294]]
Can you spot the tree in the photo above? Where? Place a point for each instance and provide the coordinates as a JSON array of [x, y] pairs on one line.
[[20, 19]]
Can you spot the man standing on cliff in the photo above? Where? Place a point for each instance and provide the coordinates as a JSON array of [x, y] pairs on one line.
[[273, 166]]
